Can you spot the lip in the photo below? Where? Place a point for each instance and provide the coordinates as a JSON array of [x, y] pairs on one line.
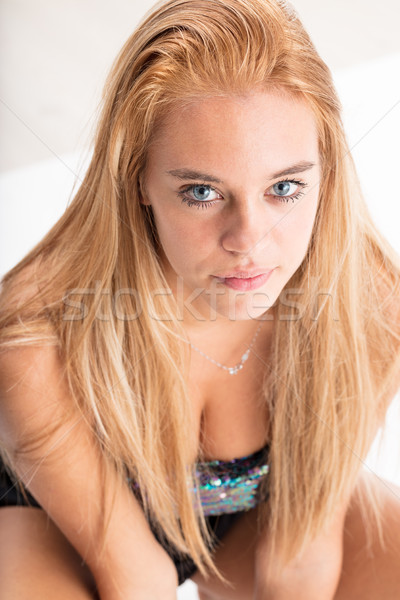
[[245, 284], [244, 274]]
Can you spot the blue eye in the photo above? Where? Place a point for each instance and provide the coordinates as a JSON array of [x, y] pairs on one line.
[[282, 188], [283, 192], [200, 195], [201, 192]]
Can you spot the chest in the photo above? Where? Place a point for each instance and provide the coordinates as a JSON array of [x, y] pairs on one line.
[[230, 413]]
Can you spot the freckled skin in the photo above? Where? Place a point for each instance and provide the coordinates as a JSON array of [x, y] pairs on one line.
[[241, 141]]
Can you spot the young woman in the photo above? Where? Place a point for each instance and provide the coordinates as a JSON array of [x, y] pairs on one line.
[[196, 358]]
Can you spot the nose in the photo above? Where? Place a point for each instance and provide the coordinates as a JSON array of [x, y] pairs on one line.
[[246, 227]]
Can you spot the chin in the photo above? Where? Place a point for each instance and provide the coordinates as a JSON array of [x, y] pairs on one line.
[[243, 311]]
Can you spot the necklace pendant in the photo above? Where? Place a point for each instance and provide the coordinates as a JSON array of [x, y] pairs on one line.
[[231, 370], [234, 370]]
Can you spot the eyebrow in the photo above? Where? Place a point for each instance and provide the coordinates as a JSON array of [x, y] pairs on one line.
[[189, 174]]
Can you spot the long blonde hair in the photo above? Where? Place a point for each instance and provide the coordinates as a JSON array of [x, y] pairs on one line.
[[332, 363]]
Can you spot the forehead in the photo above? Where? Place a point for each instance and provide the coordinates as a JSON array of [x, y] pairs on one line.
[[261, 126]]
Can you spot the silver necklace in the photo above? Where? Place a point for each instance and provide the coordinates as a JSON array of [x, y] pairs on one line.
[[239, 366]]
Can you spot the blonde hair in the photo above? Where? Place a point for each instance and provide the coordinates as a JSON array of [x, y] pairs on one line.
[[331, 374]]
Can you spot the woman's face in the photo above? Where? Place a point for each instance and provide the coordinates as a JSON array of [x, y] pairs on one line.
[[233, 184]]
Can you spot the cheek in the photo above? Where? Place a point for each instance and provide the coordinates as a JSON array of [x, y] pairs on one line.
[[295, 232], [184, 241]]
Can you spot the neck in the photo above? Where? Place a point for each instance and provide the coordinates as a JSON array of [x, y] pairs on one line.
[[226, 341]]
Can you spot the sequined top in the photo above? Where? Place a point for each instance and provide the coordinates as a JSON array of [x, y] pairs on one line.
[[228, 486], [231, 486]]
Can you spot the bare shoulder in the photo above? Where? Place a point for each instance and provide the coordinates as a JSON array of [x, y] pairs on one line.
[[27, 366], [22, 285], [34, 396], [30, 367], [21, 363]]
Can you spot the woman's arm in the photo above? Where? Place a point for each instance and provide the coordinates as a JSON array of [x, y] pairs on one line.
[[313, 575], [64, 474]]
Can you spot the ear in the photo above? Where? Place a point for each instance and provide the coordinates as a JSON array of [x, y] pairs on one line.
[[142, 193], [144, 200]]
